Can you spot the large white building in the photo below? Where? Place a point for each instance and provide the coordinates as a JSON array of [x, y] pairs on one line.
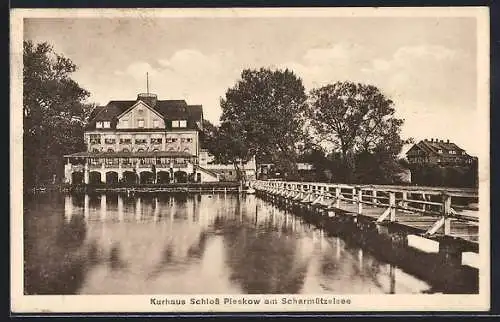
[[141, 141]]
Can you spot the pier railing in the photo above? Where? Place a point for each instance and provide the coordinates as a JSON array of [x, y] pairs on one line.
[[445, 204]]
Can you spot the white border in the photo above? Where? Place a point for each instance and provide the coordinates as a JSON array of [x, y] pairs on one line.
[[141, 303]]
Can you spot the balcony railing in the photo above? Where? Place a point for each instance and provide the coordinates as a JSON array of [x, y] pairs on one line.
[[95, 166]]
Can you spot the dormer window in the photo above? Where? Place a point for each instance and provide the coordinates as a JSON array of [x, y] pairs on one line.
[[98, 125], [107, 124], [179, 123], [140, 123], [440, 151]]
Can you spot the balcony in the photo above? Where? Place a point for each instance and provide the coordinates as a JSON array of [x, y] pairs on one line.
[[95, 166], [111, 165]]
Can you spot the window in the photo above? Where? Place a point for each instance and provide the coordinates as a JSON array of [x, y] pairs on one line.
[[107, 124], [189, 140], [126, 141], [111, 150], [140, 111], [174, 140], [125, 150], [156, 123], [182, 123], [95, 150], [109, 140], [230, 173], [98, 125], [183, 140], [156, 141], [124, 123], [440, 151], [140, 141], [175, 123], [140, 123], [95, 139], [140, 150]]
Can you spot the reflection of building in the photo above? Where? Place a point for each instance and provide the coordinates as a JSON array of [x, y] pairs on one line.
[[141, 141], [436, 152]]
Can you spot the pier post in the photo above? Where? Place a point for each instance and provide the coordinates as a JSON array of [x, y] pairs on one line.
[[86, 173], [392, 205], [337, 197], [405, 198], [446, 213], [374, 197], [359, 200]]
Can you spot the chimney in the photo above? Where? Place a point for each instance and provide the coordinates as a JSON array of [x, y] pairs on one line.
[[448, 141], [441, 141], [425, 140], [148, 98], [432, 140]]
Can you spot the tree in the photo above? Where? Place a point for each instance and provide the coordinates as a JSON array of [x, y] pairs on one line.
[[209, 137], [355, 119], [263, 117], [54, 112]]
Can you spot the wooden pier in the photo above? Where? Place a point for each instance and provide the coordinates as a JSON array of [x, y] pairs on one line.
[[433, 232]]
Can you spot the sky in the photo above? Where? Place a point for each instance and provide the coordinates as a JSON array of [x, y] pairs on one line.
[[426, 65]]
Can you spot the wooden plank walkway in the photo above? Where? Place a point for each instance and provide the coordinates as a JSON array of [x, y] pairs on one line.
[[433, 211], [459, 229]]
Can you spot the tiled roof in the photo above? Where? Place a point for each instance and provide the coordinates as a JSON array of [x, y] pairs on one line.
[[433, 147], [169, 109]]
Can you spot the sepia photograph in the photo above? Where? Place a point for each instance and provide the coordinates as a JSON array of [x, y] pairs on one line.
[[237, 160]]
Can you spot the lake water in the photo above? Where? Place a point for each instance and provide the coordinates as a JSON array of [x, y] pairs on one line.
[[191, 244]]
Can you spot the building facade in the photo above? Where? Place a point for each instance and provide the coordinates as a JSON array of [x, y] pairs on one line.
[[438, 152], [141, 141], [227, 172]]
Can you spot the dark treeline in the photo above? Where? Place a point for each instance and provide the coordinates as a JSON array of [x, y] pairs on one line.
[[54, 114]]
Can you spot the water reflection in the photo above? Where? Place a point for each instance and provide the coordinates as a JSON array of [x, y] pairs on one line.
[[201, 243]]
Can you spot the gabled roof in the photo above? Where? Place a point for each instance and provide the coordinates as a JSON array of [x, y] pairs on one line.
[[434, 146], [135, 104], [168, 109]]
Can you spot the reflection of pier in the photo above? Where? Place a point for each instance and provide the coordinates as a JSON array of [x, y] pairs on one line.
[[405, 225]]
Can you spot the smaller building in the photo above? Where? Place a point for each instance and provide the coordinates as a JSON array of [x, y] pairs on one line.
[[227, 172], [438, 152]]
